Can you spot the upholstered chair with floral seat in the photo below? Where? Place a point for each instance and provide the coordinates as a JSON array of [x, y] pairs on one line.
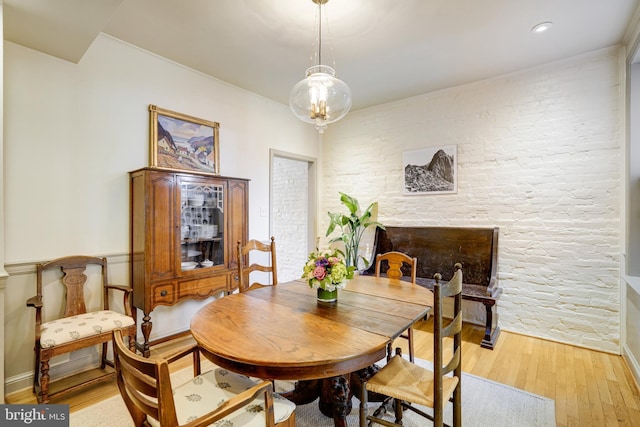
[[217, 397], [70, 326]]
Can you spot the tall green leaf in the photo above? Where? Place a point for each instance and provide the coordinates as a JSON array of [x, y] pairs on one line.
[[352, 227]]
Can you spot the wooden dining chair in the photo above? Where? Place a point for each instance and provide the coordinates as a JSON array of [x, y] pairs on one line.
[[217, 397], [70, 326], [395, 261], [410, 385], [256, 248]]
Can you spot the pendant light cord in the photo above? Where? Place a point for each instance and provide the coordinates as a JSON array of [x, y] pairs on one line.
[[319, 33]]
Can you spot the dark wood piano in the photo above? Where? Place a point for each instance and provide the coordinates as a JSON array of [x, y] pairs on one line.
[[438, 249]]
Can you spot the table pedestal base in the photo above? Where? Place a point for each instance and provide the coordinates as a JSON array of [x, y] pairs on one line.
[[335, 393], [304, 392], [335, 399]]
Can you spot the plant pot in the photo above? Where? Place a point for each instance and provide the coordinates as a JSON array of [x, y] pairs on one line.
[[327, 296]]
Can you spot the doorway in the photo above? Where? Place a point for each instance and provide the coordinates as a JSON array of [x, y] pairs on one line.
[[292, 211]]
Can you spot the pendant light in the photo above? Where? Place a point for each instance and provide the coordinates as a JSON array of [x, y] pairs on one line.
[[320, 98]]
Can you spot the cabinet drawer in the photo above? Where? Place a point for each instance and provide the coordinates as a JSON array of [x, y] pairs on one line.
[[164, 294], [203, 287]]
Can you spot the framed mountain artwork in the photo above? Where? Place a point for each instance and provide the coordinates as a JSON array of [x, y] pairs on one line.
[[181, 142], [430, 170]]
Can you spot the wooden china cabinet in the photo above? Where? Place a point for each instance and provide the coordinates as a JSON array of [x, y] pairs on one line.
[[183, 230]]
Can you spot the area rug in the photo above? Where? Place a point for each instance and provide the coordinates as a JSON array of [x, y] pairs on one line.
[[484, 403]]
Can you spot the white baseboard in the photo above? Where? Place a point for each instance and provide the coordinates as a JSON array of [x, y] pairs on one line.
[[60, 369], [634, 366]]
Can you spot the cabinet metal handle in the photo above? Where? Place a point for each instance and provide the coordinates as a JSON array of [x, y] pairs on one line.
[[163, 293]]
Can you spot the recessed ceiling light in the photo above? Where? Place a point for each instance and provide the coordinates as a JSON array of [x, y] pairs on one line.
[[542, 27]]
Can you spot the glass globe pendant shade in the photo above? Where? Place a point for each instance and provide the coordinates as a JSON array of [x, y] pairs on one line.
[[320, 98]]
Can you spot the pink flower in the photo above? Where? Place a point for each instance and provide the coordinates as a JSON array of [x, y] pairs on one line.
[[319, 273]]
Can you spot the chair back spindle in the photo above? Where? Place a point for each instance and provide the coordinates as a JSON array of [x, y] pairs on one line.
[[245, 270], [396, 261]]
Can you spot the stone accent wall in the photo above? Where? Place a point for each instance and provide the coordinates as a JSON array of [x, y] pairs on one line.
[[540, 155]]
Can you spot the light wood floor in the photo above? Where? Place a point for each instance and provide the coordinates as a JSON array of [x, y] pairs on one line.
[[590, 388]]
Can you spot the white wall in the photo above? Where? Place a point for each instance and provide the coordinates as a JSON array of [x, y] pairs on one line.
[[82, 127], [541, 155], [73, 131]]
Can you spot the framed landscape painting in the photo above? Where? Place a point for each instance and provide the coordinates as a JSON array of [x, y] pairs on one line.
[[181, 142], [430, 170]]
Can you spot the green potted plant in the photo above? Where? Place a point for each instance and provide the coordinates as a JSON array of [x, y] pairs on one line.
[[352, 227]]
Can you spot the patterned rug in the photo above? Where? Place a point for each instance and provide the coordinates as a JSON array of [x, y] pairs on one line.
[[484, 403]]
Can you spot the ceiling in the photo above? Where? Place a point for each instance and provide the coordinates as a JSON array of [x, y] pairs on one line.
[[384, 50]]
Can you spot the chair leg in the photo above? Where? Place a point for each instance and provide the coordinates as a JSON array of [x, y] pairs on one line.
[[36, 371], [363, 403], [438, 413], [103, 360], [457, 407], [397, 403], [44, 382], [410, 339], [132, 343]]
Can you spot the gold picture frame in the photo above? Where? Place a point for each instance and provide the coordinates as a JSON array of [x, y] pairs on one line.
[[183, 143]]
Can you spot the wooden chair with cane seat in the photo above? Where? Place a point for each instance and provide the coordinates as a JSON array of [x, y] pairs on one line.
[[410, 385], [217, 397], [244, 270], [395, 261], [67, 326]]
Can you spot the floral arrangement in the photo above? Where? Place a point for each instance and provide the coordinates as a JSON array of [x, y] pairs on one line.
[[327, 270]]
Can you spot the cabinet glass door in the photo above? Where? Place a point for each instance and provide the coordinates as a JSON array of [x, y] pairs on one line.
[[201, 224]]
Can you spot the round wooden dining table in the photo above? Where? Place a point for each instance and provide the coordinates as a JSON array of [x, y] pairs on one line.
[[283, 333]]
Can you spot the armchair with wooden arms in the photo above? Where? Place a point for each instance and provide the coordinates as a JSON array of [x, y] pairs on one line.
[[245, 270], [410, 385], [217, 397], [395, 261], [75, 327]]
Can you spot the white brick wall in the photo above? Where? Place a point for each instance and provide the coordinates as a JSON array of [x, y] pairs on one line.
[[541, 156], [290, 182]]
